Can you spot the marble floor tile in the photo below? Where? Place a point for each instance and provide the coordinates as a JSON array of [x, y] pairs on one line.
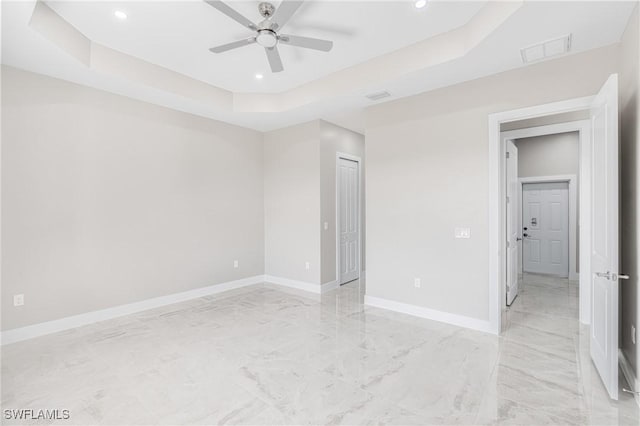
[[544, 374], [272, 355], [506, 412], [545, 323]]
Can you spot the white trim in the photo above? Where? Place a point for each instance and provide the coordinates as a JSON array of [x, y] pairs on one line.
[[62, 324], [496, 196], [358, 160], [571, 105], [299, 285], [573, 213], [550, 129], [302, 285], [49, 327], [627, 372], [331, 285], [431, 314]]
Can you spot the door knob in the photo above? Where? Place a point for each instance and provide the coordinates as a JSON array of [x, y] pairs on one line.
[[612, 276], [525, 235], [606, 275]]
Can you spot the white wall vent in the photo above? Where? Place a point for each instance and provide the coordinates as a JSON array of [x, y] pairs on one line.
[[378, 95], [546, 49]]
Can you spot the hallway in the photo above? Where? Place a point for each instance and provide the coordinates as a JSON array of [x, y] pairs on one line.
[[544, 358]]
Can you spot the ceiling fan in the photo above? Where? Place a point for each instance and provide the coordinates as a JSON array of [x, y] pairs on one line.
[[267, 32]]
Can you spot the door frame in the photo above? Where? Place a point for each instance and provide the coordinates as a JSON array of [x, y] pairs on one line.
[[583, 127], [350, 157], [573, 210], [497, 199]]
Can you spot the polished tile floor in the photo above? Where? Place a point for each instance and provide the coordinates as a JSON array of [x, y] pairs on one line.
[[267, 355]]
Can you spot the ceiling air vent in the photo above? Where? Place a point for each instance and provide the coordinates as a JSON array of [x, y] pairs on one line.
[[546, 49], [378, 95]]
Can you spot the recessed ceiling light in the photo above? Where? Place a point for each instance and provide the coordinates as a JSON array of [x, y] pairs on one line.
[[120, 15], [420, 4], [259, 76]]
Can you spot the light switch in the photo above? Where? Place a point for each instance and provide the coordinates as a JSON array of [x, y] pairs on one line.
[[463, 232], [18, 300], [326, 226]]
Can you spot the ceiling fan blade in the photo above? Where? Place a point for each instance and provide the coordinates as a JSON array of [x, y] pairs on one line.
[[307, 42], [231, 13], [274, 59], [285, 11], [233, 45]]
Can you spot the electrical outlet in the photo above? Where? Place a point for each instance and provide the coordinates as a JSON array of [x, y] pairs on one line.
[[463, 232], [18, 300], [307, 265], [235, 263], [633, 334], [417, 282]]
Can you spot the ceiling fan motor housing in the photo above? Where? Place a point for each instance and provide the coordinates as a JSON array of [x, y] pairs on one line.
[[266, 9]]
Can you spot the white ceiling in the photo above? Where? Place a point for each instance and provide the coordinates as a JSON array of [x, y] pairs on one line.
[[176, 36]]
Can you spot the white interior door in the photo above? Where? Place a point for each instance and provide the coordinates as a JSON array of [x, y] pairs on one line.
[[513, 211], [349, 219], [545, 228], [604, 235]]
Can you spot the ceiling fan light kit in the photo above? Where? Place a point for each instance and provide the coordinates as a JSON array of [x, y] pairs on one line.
[[267, 34], [267, 38]]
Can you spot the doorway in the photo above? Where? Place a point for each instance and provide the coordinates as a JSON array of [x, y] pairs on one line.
[[537, 144], [542, 178], [348, 218], [598, 209]]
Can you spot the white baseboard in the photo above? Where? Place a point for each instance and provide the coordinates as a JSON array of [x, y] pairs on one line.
[[300, 285], [628, 374], [331, 285], [419, 311], [41, 329]]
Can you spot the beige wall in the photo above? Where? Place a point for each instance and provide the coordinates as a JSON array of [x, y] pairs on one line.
[[549, 155], [334, 139], [629, 184], [107, 200], [427, 173], [292, 202], [300, 191]]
